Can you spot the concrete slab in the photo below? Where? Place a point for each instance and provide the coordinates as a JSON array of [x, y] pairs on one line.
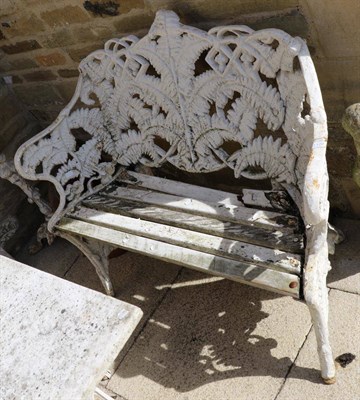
[[345, 273], [213, 339], [55, 259], [303, 382], [57, 338]]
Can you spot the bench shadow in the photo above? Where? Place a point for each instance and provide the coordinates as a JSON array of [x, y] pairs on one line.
[[206, 331]]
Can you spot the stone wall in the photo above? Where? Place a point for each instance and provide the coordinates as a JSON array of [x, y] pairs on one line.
[[42, 42]]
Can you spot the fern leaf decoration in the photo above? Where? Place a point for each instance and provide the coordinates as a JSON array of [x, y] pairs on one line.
[[276, 160], [89, 156]]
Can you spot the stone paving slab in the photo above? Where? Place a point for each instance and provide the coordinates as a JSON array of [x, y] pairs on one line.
[[138, 280], [56, 259], [213, 339], [303, 382], [345, 273]]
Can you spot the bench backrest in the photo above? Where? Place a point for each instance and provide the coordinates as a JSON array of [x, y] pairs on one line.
[[183, 95]]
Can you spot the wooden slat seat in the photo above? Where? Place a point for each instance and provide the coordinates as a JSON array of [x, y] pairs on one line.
[[150, 215]]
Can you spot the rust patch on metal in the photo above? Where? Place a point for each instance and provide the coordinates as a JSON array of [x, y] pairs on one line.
[[286, 221], [294, 262], [316, 183]]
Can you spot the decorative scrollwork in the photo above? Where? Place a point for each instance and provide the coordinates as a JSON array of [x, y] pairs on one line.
[[179, 95], [8, 228], [8, 172]]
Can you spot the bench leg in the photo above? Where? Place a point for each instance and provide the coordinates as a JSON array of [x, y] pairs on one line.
[[316, 269], [97, 253], [316, 297], [319, 311]]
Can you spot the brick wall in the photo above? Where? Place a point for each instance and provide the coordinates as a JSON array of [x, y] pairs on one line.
[[42, 42]]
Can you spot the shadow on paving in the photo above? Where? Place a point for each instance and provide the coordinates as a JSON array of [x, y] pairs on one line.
[[346, 260], [205, 332]]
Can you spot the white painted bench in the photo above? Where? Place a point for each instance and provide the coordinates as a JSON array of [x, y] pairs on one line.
[[200, 101]]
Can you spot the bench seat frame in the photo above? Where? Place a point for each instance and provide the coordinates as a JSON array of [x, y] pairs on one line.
[[135, 94]]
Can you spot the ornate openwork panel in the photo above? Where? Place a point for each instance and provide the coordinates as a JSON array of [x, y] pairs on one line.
[[181, 95]]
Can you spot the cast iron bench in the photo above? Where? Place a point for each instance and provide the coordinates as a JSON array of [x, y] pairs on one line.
[[199, 101]]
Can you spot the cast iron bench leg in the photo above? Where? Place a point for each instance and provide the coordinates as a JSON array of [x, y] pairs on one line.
[[97, 253]]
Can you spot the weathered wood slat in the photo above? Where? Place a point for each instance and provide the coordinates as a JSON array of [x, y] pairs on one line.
[[272, 200], [256, 198], [225, 212], [250, 234], [216, 245], [277, 200], [251, 274], [182, 189]]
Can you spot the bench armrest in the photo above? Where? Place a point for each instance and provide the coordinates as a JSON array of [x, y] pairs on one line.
[[316, 180], [76, 168]]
